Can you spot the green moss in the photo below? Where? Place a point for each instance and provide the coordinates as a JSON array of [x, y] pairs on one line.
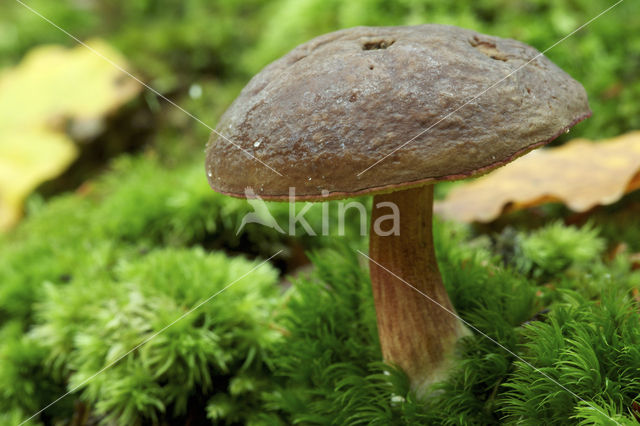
[[253, 356], [588, 347], [556, 247], [79, 259], [24, 379], [179, 359]]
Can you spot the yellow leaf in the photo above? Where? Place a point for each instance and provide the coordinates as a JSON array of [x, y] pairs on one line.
[[580, 174], [53, 82], [27, 158], [50, 85]]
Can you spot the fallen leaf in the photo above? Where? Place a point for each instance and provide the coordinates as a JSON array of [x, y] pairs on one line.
[[51, 85], [54, 82], [40, 155], [581, 174]]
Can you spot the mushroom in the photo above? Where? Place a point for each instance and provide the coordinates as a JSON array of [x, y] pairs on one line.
[[389, 111]]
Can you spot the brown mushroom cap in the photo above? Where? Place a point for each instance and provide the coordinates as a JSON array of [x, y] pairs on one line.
[[335, 105]]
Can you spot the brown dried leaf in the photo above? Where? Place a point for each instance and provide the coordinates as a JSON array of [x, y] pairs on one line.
[[580, 174]]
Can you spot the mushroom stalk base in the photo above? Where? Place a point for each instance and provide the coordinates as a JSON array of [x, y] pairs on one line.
[[416, 332]]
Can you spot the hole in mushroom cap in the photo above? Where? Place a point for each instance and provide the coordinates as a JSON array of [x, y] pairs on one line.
[[488, 48], [376, 44]]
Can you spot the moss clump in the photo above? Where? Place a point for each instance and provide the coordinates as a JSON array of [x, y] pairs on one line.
[[591, 348], [330, 361], [88, 276], [556, 247], [140, 204], [154, 361]]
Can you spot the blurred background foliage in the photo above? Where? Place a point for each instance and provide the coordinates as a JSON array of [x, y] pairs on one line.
[[130, 237]]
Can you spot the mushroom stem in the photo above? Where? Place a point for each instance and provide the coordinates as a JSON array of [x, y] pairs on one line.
[[416, 333]]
